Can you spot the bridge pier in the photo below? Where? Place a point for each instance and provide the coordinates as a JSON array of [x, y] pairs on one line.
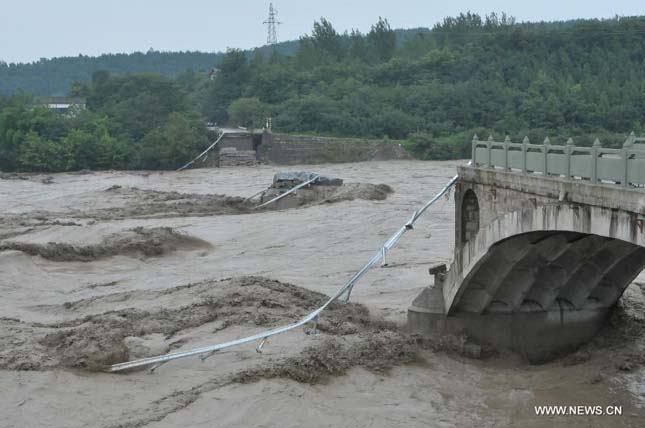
[[537, 336]]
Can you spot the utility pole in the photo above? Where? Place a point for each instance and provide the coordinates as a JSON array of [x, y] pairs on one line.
[[271, 22]]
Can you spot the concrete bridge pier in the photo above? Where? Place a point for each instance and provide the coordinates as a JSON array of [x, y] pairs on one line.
[[539, 336], [541, 256]]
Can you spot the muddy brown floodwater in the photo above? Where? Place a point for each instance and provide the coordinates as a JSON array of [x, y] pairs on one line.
[[96, 268]]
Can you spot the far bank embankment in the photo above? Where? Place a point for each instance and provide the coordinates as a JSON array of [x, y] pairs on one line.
[[288, 149]]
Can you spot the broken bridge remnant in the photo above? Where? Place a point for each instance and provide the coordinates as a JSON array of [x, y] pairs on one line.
[[547, 238], [293, 189]]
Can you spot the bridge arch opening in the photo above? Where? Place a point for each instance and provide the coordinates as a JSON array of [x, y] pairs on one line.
[[469, 216], [543, 293], [550, 270]]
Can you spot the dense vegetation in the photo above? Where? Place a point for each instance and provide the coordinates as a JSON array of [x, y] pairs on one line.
[[138, 121], [432, 88], [55, 77]]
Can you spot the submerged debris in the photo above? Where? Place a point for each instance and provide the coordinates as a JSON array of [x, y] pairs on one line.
[[288, 180], [322, 190]]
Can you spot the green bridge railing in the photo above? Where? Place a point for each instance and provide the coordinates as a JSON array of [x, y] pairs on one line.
[[596, 164]]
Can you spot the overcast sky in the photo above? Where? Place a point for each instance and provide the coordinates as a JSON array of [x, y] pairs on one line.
[[33, 29]]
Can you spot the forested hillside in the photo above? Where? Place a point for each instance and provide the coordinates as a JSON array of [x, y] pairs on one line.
[[431, 88], [55, 77], [565, 79]]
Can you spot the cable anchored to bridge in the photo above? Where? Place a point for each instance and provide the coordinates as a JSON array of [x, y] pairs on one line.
[[346, 290], [202, 153]]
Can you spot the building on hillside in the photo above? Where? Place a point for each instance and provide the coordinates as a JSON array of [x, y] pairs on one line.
[[64, 104]]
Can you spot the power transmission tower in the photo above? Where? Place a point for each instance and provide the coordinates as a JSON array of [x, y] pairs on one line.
[[271, 22]]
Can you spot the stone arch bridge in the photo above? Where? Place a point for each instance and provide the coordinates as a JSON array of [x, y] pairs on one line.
[[547, 239]]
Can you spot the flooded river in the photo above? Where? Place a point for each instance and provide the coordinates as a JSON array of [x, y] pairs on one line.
[[104, 265]]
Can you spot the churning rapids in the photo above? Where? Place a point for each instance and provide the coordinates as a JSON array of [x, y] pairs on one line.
[[96, 268]]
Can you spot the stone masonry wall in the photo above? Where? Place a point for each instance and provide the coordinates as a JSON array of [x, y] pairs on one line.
[[470, 216], [286, 149], [492, 202]]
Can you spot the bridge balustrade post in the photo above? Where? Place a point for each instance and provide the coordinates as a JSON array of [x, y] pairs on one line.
[[629, 143], [525, 143], [568, 149], [594, 161], [489, 145], [507, 142], [475, 141], [545, 152]]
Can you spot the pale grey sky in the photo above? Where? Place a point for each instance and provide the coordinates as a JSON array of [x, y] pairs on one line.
[[33, 29]]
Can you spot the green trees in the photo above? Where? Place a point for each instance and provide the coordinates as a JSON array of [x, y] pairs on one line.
[[39, 154], [358, 48], [229, 83], [53, 77], [21, 124], [138, 121], [172, 144], [147, 122], [382, 40], [467, 72], [247, 112], [326, 46], [433, 87], [425, 146], [323, 46], [81, 149], [135, 104]]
